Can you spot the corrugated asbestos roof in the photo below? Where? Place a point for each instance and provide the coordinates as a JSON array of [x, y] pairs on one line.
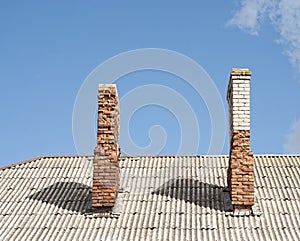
[[163, 198]]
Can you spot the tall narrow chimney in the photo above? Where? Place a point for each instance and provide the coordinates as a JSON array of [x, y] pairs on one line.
[[241, 165], [106, 173]]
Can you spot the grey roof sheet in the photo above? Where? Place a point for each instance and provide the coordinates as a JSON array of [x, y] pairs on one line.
[[164, 198]]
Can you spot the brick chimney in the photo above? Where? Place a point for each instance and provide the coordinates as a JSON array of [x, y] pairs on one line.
[[240, 171], [106, 173]]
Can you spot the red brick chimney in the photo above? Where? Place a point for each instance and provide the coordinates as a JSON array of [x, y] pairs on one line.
[[106, 173], [240, 171]]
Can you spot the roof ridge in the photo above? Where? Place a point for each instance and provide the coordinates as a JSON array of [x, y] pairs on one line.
[[39, 158], [124, 157], [285, 155], [49, 156], [21, 163], [208, 155]]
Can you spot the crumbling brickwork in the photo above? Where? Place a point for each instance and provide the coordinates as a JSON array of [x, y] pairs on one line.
[[241, 165], [106, 173]]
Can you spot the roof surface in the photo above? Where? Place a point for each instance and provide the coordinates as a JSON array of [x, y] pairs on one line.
[[163, 198]]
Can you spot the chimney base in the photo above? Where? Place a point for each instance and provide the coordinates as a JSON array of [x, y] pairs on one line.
[[240, 171]]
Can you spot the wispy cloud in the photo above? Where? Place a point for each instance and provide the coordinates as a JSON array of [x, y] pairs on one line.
[[286, 19], [284, 15], [249, 16], [292, 144]]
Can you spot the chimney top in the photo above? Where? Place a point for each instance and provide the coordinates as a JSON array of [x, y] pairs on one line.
[[236, 71], [238, 98], [103, 86]]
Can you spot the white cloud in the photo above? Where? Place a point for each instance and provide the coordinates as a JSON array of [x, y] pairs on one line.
[[286, 19], [284, 15], [249, 16], [292, 144]]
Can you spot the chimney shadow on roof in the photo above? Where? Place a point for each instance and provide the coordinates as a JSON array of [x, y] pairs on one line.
[[193, 191], [71, 196]]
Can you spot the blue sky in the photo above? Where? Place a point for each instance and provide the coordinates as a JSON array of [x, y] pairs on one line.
[[47, 51]]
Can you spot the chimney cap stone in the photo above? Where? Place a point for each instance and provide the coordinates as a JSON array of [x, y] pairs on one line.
[[240, 71], [107, 86]]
